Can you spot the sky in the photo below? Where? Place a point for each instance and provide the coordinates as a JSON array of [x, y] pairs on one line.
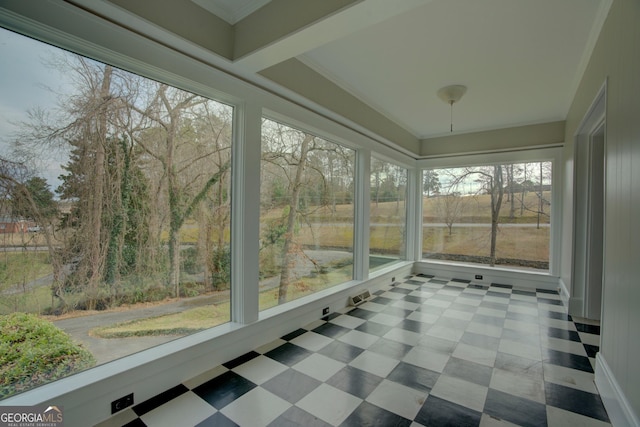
[[23, 83]]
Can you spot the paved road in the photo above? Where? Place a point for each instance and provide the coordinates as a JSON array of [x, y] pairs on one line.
[[106, 350], [438, 224], [22, 248], [473, 225], [18, 288]]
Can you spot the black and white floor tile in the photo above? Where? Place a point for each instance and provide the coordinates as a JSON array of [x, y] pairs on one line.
[[424, 352]]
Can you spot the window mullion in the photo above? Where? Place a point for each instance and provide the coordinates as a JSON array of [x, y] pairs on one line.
[[414, 215], [245, 225], [362, 211]]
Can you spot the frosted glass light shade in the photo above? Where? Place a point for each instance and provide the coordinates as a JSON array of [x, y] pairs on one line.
[[451, 94]]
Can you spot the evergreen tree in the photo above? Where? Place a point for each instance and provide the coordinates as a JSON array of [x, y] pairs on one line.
[[431, 182], [41, 205]]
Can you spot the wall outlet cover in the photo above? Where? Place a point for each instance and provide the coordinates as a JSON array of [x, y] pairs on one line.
[[119, 404]]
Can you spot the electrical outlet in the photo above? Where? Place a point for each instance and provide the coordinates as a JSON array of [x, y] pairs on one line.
[[325, 311], [119, 404], [478, 276]]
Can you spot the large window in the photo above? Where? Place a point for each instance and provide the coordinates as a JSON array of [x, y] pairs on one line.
[[114, 213], [387, 213], [306, 214], [493, 214]]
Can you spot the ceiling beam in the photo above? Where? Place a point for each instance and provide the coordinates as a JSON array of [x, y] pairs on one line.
[[183, 18], [299, 78], [284, 29]]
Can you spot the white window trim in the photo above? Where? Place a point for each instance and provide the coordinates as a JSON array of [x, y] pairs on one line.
[[362, 212], [409, 242]]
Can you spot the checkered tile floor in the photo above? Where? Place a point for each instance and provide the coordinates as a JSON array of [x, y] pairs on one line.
[[424, 352]]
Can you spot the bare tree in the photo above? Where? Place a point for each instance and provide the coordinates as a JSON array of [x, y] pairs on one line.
[[496, 189], [530, 171], [490, 180], [95, 246], [510, 194], [377, 172], [449, 207], [85, 119], [311, 171], [172, 146], [125, 133], [214, 213], [524, 185], [288, 252]]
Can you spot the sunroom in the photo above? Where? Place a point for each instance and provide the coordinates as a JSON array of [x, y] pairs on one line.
[[225, 174]]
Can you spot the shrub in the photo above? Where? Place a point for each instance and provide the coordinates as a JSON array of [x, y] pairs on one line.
[[191, 289], [190, 262], [221, 268], [34, 351]]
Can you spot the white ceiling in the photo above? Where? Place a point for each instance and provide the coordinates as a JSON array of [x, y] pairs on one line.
[[520, 59], [231, 11]]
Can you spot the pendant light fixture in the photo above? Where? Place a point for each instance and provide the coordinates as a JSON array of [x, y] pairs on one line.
[[450, 95]]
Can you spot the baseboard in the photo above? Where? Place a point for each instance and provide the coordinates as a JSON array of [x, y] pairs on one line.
[[564, 292], [518, 278], [576, 307], [615, 402]]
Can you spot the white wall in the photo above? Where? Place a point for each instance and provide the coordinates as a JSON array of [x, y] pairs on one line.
[[616, 58], [513, 138]]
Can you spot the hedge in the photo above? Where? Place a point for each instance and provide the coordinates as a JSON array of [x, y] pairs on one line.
[[33, 352]]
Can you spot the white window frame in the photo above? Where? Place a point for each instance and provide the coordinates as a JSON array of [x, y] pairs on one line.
[[409, 206], [552, 154], [318, 132]]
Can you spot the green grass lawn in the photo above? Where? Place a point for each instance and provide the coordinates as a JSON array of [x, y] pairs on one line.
[[19, 268], [528, 243], [32, 301], [183, 323]]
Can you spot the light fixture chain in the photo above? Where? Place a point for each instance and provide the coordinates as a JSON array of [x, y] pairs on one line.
[[451, 114]]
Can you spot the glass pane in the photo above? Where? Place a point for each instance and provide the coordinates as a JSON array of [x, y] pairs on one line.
[[306, 214], [115, 213], [388, 213], [494, 215]]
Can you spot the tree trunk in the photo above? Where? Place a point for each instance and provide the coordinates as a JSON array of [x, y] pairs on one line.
[[173, 189], [114, 251], [175, 223], [512, 200], [288, 254], [497, 192], [524, 183], [98, 190], [540, 205], [377, 187]]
